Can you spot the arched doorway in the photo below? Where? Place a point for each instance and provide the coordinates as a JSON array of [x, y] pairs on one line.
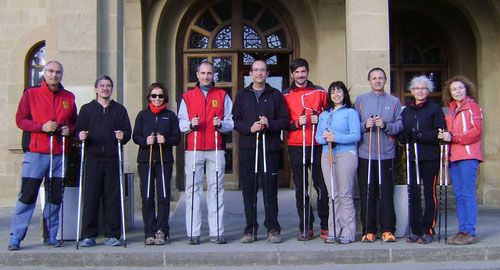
[[232, 34], [416, 49]]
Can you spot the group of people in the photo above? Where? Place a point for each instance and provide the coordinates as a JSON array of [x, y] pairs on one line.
[[327, 134]]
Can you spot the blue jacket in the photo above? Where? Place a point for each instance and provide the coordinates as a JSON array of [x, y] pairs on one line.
[[344, 123]]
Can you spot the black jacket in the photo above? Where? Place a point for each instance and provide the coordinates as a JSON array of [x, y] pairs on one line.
[[246, 110], [165, 123], [101, 124], [421, 123]]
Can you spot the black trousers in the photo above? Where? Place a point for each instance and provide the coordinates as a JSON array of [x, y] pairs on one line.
[[269, 183], [102, 182], [295, 155], [155, 221], [425, 223], [385, 205]]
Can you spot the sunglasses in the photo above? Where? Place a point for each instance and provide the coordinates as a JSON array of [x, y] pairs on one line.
[[159, 96]]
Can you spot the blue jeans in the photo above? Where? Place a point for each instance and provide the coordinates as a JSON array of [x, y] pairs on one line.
[[463, 175]]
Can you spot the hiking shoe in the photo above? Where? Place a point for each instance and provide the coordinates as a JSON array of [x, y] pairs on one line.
[[273, 236], [302, 237], [388, 237], [53, 242], [112, 242], [88, 242], [466, 239], [218, 240], [194, 240], [368, 238], [458, 236], [323, 234], [159, 238], [412, 238], [248, 238], [425, 239], [149, 241], [14, 244], [344, 240], [330, 239]]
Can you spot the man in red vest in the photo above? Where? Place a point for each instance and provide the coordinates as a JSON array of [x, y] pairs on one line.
[[203, 111]]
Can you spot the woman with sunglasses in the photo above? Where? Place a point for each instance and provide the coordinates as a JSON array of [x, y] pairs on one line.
[[156, 131], [339, 125]]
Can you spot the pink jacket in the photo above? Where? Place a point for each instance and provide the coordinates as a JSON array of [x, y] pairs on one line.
[[466, 127]]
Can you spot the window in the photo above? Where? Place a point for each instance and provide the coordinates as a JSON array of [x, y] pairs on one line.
[[35, 61]]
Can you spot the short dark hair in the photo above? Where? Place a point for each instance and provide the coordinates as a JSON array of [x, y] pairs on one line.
[[103, 77], [157, 85], [375, 69], [299, 62], [347, 98]]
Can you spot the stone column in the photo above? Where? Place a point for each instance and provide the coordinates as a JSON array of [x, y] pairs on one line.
[[367, 41]]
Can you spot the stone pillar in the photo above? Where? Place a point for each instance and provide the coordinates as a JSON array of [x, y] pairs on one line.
[[367, 41]]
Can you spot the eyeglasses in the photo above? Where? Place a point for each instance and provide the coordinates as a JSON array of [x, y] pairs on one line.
[[157, 96], [420, 88]]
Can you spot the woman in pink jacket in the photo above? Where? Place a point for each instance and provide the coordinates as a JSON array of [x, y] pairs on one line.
[[465, 127]]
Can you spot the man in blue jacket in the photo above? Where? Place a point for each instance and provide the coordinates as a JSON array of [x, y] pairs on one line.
[[259, 110]]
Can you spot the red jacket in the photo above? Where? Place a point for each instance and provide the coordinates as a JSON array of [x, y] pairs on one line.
[[466, 127], [205, 109], [312, 99], [39, 105]]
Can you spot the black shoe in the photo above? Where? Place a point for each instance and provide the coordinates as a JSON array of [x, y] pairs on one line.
[[194, 240], [218, 240]]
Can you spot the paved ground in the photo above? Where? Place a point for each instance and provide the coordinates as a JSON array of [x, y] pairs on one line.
[[178, 253]]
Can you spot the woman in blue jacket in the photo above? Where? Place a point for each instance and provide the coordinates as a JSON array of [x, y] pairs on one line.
[[339, 125], [156, 127]]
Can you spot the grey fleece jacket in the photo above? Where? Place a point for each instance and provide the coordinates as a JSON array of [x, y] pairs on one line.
[[389, 108]]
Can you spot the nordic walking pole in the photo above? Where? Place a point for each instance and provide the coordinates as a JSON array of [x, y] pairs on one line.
[[256, 183], [120, 172], [369, 179], [306, 235], [195, 128], [440, 209], [217, 178], [78, 217], [149, 168], [332, 188], [417, 170], [51, 164], [262, 127], [63, 175], [312, 159], [446, 160], [162, 172], [379, 171], [407, 144]]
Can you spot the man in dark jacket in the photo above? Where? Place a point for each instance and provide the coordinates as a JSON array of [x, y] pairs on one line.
[[101, 123], [259, 110], [46, 113]]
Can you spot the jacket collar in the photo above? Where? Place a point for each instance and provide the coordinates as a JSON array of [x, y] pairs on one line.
[[309, 85], [46, 86], [266, 89]]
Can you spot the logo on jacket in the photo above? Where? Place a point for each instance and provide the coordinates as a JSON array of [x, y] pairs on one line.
[[65, 104], [215, 104]]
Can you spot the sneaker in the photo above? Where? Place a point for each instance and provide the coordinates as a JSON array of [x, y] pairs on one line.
[[273, 236], [149, 241], [14, 244], [112, 242], [388, 237], [344, 240], [218, 240], [466, 239], [159, 238], [458, 236], [330, 239], [302, 237], [88, 242], [323, 234], [425, 239], [53, 242], [194, 240], [248, 238], [412, 238], [368, 238]]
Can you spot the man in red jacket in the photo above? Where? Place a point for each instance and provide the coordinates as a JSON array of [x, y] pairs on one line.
[[203, 111], [305, 101], [46, 112]]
